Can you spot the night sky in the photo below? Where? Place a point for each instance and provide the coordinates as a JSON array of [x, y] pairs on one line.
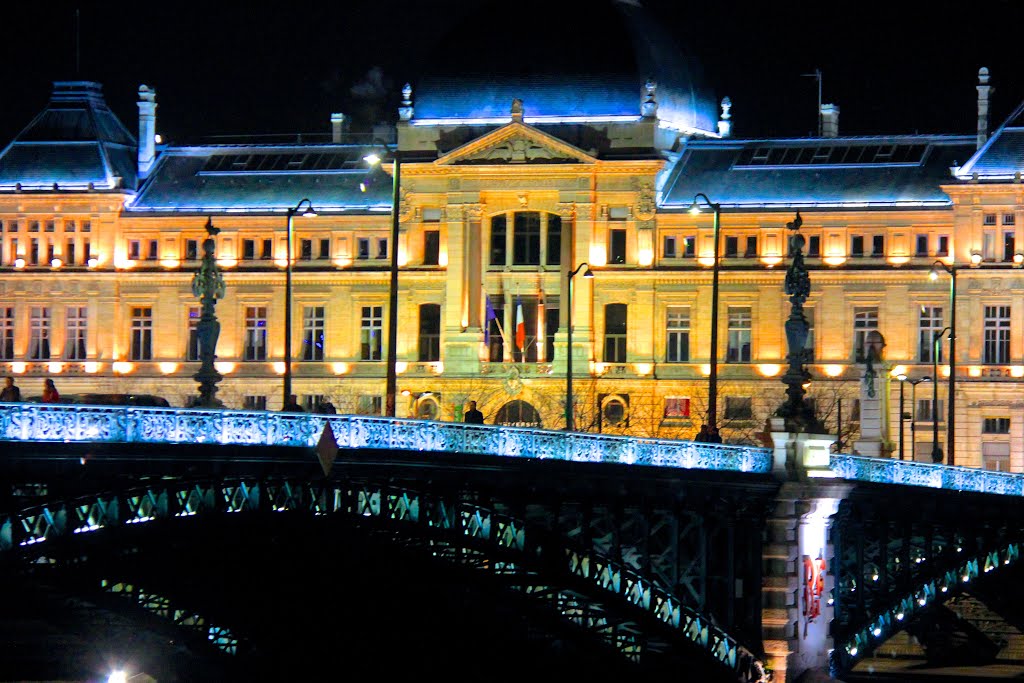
[[251, 70]]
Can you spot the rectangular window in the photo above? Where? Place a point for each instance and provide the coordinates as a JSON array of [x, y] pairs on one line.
[[192, 349], [311, 402], [878, 245], [615, 333], [255, 340], [254, 402], [86, 226], [865, 321], [929, 324], [33, 226], [430, 333], [191, 250], [86, 252], [134, 250], [39, 333], [739, 408], [153, 252], [382, 247], [495, 338], [49, 252], [7, 333], [499, 247], [529, 352], [738, 350], [363, 248], [814, 246], [990, 219], [14, 251], [732, 246], [371, 326], [49, 227], [925, 412], [1008, 245], [751, 250], [69, 252], [677, 407], [997, 334], [33, 255], [248, 250], [551, 321], [920, 245], [554, 255], [616, 246], [995, 425], [689, 246], [142, 333], [669, 251], [943, 249], [324, 253], [266, 253], [69, 226], [526, 239], [988, 245], [995, 456], [312, 333], [857, 246], [677, 348], [1009, 219], [369, 405], [431, 247], [305, 250], [76, 324]]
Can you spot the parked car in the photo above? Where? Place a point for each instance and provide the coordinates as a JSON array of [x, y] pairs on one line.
[[110, 400]]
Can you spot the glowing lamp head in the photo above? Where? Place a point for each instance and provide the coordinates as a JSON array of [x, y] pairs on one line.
[[372, 159], [1018, 258], [976, 259], [901, 377], [19, 263], [695, 209], [933, 274], [56, 263]]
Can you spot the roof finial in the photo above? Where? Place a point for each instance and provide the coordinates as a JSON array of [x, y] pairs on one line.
[[406, 110], [724, 124], [649, 106], [517, 110], [984, 92]]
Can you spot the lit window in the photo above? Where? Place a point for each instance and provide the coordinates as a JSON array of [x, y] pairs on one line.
[[430, 333], [39, 333], [997, 335], [371, 326], [313, 333], [255, 342], [677, 407], [76, 322], [678, 331], [7, 333], [738, 350], [142, 333]]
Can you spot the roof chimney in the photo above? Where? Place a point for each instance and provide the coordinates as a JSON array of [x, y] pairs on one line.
[[147, 129], [830, 120], [339, 127], [724, 124], [984, 92]]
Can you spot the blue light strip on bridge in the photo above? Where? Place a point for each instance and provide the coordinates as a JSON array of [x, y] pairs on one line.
[[129, 424], [910, 473]]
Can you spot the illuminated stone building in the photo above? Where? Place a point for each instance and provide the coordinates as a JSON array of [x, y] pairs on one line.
[[507, 185]]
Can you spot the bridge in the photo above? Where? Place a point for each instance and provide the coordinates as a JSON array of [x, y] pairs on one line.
[[205, 539]]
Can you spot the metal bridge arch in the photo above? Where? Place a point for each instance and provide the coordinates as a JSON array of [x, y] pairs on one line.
[[609, 600]]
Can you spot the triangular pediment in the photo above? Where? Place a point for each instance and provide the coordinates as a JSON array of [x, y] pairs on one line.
[[516, 143]]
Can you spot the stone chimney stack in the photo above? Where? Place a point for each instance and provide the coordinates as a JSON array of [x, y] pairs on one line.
[[830, 120], [984, 92], [339, 127], [147, 129]]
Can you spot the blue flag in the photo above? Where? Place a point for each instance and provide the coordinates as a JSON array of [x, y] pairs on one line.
[[488, 317]]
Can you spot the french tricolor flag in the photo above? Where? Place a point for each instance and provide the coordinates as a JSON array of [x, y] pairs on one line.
[[520, 325]]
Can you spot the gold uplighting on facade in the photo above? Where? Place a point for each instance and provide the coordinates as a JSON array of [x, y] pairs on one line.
[[55, 367], [19, 263], [771, 261], [645, 257], [340, 368], [834, 260], [1017, 371], [898, 370], [769, 369], [899, 260], [643, 369], [92, 367], [56, 263], [834, 370], [168, 368], [123, 367], [170, 263], [944, 370], [278, 367], [972, 371], [401, 366], [705, 369], [976, 258], [227, 262], [18, 367], [225, 367]]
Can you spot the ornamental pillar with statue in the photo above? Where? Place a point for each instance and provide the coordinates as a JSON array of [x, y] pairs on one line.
[[874, 389]]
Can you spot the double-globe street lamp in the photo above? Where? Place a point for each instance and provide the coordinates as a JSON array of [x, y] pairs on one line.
[[710, 428], [392, 360], [309, 211], [934, 275], [570, 413]]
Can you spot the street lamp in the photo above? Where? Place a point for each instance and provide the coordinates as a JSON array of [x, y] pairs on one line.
[[392, 380], [711, 425], [308, 212], [903, 379], [570, 413], [934, 275], [913, 412], [936, 449]]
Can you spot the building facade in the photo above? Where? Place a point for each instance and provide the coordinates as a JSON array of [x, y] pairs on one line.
[[506, 188]]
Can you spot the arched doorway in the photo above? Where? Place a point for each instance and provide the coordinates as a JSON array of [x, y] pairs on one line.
[[518, 414]]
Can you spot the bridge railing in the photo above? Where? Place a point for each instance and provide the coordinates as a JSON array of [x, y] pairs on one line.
[[911, 473], [135, 424]]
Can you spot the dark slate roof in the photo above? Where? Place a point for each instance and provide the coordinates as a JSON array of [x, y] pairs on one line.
[[75, 143], [262, 179], [1002, 157], [891, 172]]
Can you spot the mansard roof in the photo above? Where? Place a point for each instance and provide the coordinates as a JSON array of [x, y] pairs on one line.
[[262, 179], [75, 143], [862, 172], [1001, 158]]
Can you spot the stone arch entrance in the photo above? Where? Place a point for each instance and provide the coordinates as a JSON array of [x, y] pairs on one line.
[[518, 414]]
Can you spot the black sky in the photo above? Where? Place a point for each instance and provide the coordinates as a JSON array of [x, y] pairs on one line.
[[893, 67]]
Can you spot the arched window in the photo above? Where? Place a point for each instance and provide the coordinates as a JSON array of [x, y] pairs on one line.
[[518, 414]]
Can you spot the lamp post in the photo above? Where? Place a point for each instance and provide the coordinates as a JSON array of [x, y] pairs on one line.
[[936, 449], [950, 416], [391, 384], [903, 379], [308, 212], [711, 425], [913, 412], [570, 413]]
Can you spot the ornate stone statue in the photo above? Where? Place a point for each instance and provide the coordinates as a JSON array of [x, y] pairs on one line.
[[208, 285], [798, 414]]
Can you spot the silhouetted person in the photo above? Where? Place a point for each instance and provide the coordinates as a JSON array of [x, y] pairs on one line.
[[50, 393], [10, 392], [473, 416], [292, 406], [326, 408]]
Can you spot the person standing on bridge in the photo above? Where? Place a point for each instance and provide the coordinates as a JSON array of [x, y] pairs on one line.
[[292, 406], [473, 416], [10, 393], [50, 393]]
